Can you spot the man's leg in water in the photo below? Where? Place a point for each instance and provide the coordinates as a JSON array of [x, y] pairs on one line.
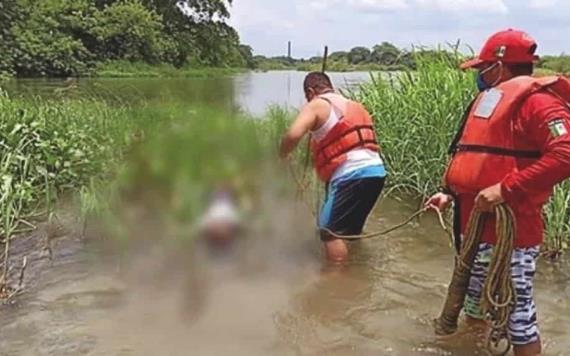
[[348, 204], [337, 250], [523, 328]]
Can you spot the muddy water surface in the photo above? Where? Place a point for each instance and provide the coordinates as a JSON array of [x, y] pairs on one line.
[[273, 298]]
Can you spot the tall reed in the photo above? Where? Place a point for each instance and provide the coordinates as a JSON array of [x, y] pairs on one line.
[[417, 115]]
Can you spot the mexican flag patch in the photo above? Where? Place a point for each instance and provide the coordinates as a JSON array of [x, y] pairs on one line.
[[557, 128]]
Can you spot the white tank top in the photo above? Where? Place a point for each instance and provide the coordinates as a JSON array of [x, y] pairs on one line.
[[355, 159]]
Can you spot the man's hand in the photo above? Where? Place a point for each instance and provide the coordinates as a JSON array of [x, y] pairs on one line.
[[439, 201], [489, 198]]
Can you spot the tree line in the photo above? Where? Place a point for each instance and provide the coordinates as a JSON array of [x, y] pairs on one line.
[[71, 37], [60, 38], [383, 56], [387, 56]]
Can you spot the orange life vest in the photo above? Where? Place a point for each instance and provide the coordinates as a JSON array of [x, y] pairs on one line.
[[484, 151], [354, 130]]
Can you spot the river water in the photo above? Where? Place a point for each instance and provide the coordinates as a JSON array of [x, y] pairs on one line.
[[275, 297], [252, 92]]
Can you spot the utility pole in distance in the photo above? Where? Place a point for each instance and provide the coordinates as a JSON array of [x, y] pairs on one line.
[[289, 49]]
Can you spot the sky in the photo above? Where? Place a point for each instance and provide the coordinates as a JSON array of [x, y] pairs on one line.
[[267, 25]]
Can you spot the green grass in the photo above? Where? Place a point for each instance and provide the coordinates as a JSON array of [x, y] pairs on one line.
[[416, 115], [49, 148], [125, 69], [110, 157]]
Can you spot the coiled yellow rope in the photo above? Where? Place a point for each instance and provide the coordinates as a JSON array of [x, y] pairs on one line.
[[499, 294]]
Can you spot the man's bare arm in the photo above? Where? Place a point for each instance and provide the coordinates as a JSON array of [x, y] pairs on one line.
[[305, 121]]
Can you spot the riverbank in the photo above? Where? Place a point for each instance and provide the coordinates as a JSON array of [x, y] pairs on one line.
[[125, 69], [334, 67]]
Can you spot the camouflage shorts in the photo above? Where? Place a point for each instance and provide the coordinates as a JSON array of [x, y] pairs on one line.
[[523, 327]]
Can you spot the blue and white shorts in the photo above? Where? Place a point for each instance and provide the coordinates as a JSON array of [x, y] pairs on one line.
[[523, 328], [350, 199]]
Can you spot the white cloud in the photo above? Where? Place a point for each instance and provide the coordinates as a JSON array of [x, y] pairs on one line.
[[542, 4], [379, 4], [267, 25], [490, 6], [320, 4], [374, 5]]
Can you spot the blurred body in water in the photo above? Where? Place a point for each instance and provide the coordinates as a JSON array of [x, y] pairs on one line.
[[222, 223]]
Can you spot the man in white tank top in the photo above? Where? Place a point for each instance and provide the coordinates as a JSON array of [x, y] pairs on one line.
[[355, 183]]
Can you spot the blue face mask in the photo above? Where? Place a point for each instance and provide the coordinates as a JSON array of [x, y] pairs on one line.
[[481, 83]]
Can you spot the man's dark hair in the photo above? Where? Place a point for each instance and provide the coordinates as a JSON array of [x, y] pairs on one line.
[[318, 81], [521, 69]]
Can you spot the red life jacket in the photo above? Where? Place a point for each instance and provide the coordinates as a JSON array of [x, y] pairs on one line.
[[484, 153], [354, 130]]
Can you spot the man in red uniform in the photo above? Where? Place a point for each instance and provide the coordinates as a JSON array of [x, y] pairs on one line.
[[513, 148]]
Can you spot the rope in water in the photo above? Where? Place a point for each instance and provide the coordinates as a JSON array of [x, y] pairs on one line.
[[378, 233], [302, 187], [498, 295]]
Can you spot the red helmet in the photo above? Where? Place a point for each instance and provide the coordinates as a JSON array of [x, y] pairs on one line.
[[510, 46]]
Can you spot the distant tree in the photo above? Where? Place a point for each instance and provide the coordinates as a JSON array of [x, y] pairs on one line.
[[338, 56], [46, 37], [197, 26], [316, 60], [247, 54], [406, 60], [358, 55], [130, 31], [385, 54], [198, 30], [9, 14], [284, 60], [68, 37]]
